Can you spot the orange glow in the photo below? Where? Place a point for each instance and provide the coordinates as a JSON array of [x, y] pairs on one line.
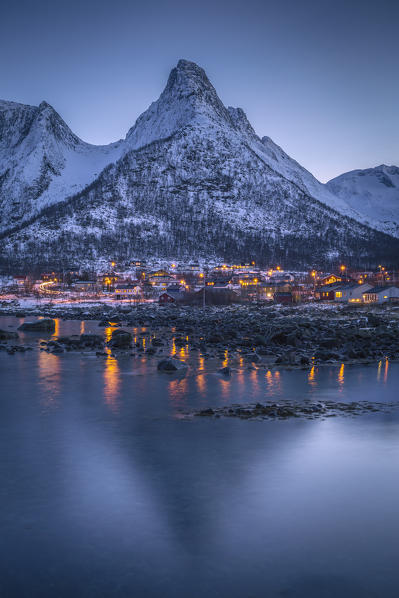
[[341, 374], [173, 351], [201, 383], [343, 268], [108, 333], [386, 370], [49, 377], [201, 275], [111, 382]]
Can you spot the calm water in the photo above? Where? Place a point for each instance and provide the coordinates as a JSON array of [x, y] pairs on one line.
[[104, 492]]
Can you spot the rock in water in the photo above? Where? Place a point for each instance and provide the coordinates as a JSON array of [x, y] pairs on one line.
[[44, 325], [6, 335], [120, 338], [171, 365]]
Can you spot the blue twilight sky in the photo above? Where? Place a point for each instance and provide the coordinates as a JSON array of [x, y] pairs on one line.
[[321, 78]]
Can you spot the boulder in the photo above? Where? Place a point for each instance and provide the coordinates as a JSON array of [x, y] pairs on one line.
[[44, 325], [6, 335], [91, 340], [120, 338], [226, 371], [171, 365]]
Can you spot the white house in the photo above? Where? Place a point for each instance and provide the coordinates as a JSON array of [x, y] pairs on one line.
[[382, 294], [351, 292], [126, 291]]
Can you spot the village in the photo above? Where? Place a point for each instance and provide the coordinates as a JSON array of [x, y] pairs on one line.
[[195, 284]]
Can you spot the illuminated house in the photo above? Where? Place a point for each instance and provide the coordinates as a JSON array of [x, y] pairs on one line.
[[84, 285], [127, 291], [327, 292], [351, 293], [108, 281], [20, 280], [381, 294], [267, 290], [329, 279], [161, 279]]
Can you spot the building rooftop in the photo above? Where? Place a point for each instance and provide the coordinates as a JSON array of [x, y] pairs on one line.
[[379, 289]]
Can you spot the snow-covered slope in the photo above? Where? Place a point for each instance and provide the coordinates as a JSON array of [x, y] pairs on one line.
[[42, 161], [191, 179], [374, 193]]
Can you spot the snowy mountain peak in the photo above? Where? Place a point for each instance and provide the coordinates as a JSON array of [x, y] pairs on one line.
[[188, 77], [190, 177], [189, 98], [374, 192], [49, 123]]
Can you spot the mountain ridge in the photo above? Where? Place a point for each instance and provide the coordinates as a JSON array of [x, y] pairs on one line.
[[187, 158]]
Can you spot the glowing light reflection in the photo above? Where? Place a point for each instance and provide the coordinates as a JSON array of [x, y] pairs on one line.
[[111, 383]]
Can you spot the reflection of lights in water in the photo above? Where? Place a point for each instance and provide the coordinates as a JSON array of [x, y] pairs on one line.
[[182, 353], [386, 369], [111, 382], [108, 333], [173, 350], [273, 381], [201, 384], [312, 376], [341, 374], [82, 327], [201, 363], [225, 361], [143, 343], [241, 362], [49, 376], [379, 370], [225, 387], [178, 391], [254, 380], [56, 332]]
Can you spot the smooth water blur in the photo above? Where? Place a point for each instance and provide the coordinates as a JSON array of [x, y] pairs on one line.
[[105, 492]]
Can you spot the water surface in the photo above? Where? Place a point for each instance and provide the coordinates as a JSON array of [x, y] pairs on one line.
[[104, 492]]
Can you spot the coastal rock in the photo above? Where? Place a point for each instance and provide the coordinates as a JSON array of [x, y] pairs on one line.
[[171, 365], [120, 338], [91, 340], [44, 325], [6, 335]]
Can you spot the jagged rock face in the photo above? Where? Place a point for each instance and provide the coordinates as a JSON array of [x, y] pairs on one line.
[[191, 179], [374, 192], [42, 162]]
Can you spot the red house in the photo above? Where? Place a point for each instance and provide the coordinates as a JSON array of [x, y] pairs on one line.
[[166, 298]]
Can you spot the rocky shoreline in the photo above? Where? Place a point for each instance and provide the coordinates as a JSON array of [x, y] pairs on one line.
[[250, 335], [288, 410]]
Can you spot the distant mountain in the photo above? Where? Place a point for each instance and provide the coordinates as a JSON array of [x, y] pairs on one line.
[[190, 180], [374, 193]]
